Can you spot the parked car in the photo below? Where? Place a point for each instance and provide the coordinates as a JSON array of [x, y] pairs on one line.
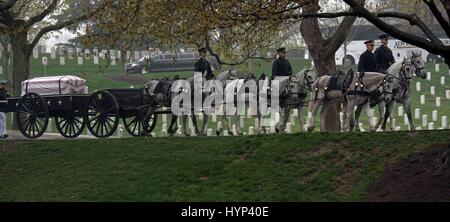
[[162, 62]]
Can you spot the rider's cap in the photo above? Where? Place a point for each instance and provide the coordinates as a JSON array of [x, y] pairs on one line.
[[368, 42], [203, 49], [282, 49], [384, 36]]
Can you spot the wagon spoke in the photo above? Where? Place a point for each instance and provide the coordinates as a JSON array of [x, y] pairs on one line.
[[78, 121], [109, 124]]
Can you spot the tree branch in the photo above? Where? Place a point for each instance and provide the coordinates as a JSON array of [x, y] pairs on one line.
[[55, 27], [42, 15], [413, 20], [433, 47], [438, 15]]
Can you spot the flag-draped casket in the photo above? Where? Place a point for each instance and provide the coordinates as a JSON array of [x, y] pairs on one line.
[[54, 85]]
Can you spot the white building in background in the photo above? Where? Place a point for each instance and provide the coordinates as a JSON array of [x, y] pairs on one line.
[[354, 49]]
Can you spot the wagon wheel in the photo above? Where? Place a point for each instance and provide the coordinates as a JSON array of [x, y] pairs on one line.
[[135, 125], [32, 115], [69, 125], [102, 114]]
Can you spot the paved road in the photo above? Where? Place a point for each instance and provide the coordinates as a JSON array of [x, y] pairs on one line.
[[16, 135]]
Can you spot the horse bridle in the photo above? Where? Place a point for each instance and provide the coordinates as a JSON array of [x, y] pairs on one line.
[[305, 79]]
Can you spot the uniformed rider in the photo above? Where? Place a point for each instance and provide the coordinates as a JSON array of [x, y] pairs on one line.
[[202, 65], [368, 60], [384, 55]]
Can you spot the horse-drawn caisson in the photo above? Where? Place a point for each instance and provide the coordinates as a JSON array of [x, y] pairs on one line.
[[64, 98]]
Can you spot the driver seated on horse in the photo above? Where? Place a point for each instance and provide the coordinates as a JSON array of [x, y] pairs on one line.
[[202, 65]]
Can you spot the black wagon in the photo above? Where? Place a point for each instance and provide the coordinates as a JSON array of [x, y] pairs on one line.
[[100, 112]]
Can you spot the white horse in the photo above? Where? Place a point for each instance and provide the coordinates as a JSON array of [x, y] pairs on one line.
[[294, 94], [363, 87], [403, 73]]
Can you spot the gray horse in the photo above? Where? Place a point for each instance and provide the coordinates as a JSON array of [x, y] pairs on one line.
[[294, 95], [363, 88], [161, 94], [403, 73], [331, 89]]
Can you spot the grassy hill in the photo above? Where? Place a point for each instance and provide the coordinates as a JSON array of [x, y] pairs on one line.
[[297, 167]]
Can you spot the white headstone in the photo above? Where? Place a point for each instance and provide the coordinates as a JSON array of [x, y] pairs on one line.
[[35, 54], [295, 112], [50, 125], [434, 115], [120, 131], [251, 130], [119, 54], [288, 128], [209, 132], [241, 121], [429, 76], [400, 111], [234, 129], [422, 99], [433, 90], [438, 101], [62, 61], [443, 80], [80, 60], [53, 53], [219, 125], [272, 126], [425, 120], [436, 67], [136, 55], [101, 55], [417, 113], [256, 123], [431, 126], [214, 118], [277, 117], [418, 88], [444, 122], [405, 120], [394, 122], [96, 60], [164, 128]]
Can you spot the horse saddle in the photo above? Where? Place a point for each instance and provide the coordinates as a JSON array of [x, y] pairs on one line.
[[339, 81]]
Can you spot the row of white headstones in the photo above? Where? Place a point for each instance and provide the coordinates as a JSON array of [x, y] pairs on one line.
[[114, 56]]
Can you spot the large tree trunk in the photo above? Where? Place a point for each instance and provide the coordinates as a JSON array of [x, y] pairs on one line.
[[21, 60], [323, 52]]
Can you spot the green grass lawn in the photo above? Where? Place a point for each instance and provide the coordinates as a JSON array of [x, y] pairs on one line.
[[298, 167]]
